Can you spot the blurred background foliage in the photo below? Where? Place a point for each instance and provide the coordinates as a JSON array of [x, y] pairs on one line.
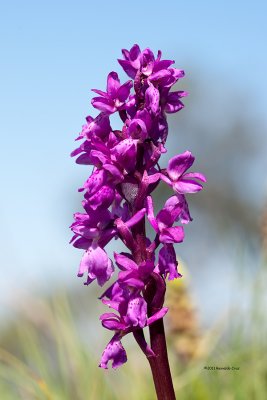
[[47, 353], [50, 336]]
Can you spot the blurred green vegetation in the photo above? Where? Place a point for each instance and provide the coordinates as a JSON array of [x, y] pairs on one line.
[[45, 354]]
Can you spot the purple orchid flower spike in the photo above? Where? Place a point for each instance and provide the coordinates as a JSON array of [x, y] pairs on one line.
[[118, 197]]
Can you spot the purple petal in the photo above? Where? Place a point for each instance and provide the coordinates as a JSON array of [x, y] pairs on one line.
[[177, 95], [113, 304], [96, 262], [128, 68], [84, 159], [147, 61], [187, 186], [144, 116], [140, 124], [103, 104], [153, 178], [81, 216], [130, 279], [114, 171], [106, 236], [179, 164], [134, 53], [164, 219], [130, 104], [112, 322], [137, 276], [103, 198], [177, 73], [113, 84], [173, 103], [172, 235], [101, 93], [81, 243], [113, 352], [165, 179], [98, 156], [99, 219], [136, 312], [162, 131], [167, 262], [152, 99], [171, 202], [124, 91], [125, 153], [179, 207], [100, 126], [196, 175], [174, 207], [108, 315], [95, 181], [126, 54], [163, 64], [124, 262], [114, 293], [113, 325], [137, 129], [76, 152], [88, 233], [185, 214], [157, 76]]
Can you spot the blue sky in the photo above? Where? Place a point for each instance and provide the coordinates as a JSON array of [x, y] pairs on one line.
[[52, 53]]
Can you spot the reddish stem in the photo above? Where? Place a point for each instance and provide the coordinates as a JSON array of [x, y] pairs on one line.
[[159, 364]]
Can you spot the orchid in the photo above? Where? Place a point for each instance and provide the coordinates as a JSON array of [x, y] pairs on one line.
[[164, 221], [118, 198], [180, 181], [115, 97]]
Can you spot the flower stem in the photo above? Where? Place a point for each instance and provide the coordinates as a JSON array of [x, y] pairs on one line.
[[159, 364]]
